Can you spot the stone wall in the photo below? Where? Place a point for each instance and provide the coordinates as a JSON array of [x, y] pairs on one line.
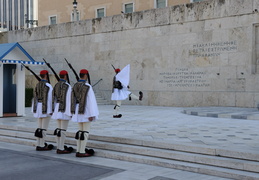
[[200, 54]]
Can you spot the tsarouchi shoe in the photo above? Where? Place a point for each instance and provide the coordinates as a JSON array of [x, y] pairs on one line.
[[68, 148], [89, 151], [83, 154], [45, 148], [63, 151], [117, 116]]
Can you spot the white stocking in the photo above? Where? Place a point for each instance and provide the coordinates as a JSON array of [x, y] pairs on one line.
[[133, 96], [78, 143], [85, 126], [45, 124], [39, 140], [58, 138], [116, 110], [83, 143], [64, 125]]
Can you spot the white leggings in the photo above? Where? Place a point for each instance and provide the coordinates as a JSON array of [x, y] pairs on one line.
[[81, 144], [62, 124], [43, 123], [118, 103]]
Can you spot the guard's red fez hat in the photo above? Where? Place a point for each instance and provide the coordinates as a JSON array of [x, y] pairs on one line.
[[63, 72], [83, 71], [44, 72], [117, 70]]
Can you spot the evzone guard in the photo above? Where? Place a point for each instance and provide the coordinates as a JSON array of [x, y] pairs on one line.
[[120, 89], [84, 110], [61, 111], [42, 109]]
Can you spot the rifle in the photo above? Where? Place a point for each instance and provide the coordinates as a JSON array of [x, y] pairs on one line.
[[97, 82], [48, 64], [113, 67], [70, 66], [88, 78], [35, 75]]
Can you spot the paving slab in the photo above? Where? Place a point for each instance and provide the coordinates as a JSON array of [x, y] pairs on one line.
[[169, 125], [27, 166], [221, 128], [23, 162]]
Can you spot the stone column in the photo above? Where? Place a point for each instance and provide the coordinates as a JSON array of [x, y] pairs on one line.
[[2, 14], [7, 15], [19, 14], [13, 16], [35, 12], [1, 89], [20, 90], [26, 14]]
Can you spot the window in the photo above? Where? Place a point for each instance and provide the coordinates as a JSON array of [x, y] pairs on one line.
[[128, 8], [160, 3], [100, 12], [52, 20], [77, 16]]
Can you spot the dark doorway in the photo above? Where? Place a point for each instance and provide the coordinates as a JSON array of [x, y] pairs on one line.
[[9, 92]]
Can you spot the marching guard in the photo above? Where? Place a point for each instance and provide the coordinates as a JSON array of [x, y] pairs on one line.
[[120, 89], [84, 110], [42, 109]]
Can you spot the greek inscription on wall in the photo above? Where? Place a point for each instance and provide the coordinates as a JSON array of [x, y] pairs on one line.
[[212, 49], [183, 77]]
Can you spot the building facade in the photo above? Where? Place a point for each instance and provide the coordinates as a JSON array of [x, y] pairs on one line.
[[18, 14], [22, 14], [54, 13], [200, 54]]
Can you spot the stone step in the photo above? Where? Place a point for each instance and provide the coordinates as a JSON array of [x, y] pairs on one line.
[[197, 149], [100, 100], [183, 147], [185, 166], [162, 162], [27, 134], [181, 156]]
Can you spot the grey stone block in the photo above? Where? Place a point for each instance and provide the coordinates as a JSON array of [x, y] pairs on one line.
[[162, 16]]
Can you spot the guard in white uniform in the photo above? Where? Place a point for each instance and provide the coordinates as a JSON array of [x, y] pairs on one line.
[[120, 89], [61, 111], [84, 110], [42, 109]]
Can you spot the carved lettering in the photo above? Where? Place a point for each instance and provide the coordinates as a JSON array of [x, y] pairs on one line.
[[212, 48], [183, 77]]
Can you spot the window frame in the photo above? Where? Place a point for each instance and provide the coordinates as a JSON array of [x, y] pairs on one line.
[[51, 17], [96, 12], [79, 16], [192, 1], [124, 7], [155, 3]]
